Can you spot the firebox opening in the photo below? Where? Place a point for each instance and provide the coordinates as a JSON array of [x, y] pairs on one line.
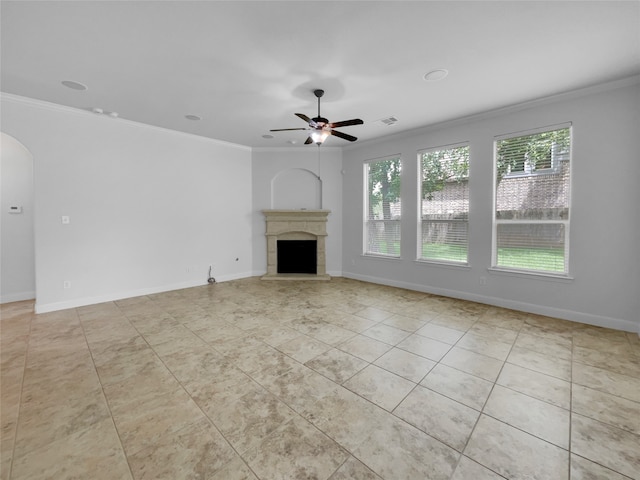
[[297, 256]]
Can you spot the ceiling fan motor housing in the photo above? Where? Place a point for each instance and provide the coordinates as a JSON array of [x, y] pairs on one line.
[[320, 121]]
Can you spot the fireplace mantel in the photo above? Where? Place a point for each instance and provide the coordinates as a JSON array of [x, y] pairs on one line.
[[296, 225]]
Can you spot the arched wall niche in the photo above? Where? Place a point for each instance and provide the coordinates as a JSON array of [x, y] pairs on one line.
[[296, 188], [17, 280]]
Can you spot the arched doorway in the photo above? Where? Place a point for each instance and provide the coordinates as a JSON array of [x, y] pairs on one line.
[[17, 219]]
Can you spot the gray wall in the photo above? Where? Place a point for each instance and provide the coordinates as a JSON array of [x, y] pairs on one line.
[[604, 263]]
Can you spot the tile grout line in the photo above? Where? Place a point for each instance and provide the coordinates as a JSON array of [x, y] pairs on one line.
[[104, 396], [486, 400], [570, 408], [24, 373], [186, 391]]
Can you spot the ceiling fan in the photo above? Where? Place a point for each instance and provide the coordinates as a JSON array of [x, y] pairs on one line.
[[320, 127]]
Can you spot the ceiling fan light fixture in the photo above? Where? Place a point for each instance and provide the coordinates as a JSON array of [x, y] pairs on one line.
[[319, 136]]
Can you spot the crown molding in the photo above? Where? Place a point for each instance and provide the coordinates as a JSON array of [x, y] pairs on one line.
[[296, 149], [517, 107], [55, 107]]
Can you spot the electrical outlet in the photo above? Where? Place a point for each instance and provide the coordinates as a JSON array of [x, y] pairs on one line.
[[483, 280], [66, 284], [66, 220]]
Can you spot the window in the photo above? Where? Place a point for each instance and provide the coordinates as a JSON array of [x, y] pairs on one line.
[[382, 207], [531, 222], [444, 204]]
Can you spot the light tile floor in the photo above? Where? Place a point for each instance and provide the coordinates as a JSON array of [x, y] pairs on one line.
[[314, 380]]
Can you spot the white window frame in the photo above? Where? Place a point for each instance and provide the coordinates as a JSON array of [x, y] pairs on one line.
[[419, 256], [365, 213], [546, 171]]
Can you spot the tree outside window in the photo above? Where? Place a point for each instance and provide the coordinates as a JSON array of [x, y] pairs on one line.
[[383, 211]]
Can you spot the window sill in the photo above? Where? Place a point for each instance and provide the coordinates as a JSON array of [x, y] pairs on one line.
[[563, 278], [436, 263], [380, 257]]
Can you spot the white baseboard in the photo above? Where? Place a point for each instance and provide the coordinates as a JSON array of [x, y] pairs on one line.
[[83, 302], [235, 276], [17, 297], [581, 317]]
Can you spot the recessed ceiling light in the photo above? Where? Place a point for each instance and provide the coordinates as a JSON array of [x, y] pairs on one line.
[[435, 75], [195, 118], [74, 85], [102, 111], [268, 136]]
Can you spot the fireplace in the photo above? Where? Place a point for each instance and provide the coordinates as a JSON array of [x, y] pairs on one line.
[[297, 256], [296, 244]]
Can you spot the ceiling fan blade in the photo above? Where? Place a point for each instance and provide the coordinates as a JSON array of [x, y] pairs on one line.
[[308, 141], [286, 129], [312, 123], [303, 117], [346, 123], [351, 138]]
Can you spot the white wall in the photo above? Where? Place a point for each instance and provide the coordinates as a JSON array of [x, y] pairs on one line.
[[605, 223], [150, 209], [289, 163], [17, 262]]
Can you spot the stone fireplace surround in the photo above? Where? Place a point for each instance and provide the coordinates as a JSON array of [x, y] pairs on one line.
[[296, 225]]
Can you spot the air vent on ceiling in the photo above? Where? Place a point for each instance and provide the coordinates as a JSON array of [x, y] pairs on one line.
[[386, 122]]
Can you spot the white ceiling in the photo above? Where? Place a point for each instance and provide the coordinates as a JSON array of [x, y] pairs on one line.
[[247, 66]]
